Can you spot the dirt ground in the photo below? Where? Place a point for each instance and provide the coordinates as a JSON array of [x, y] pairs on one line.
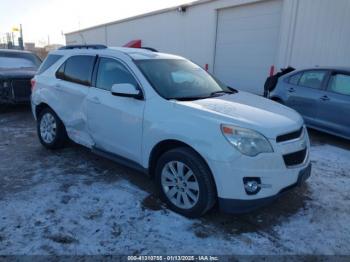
[[74, 202]]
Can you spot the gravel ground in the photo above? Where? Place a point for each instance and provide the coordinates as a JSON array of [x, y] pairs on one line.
[[71, 202]]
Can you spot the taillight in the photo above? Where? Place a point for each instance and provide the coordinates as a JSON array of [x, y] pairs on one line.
[[33, 82]]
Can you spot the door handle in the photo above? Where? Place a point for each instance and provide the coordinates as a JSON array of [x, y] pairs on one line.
[[291, 90], [325, 98], [95, 100]]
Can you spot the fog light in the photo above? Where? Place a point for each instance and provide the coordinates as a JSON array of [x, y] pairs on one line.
[[252, 185]]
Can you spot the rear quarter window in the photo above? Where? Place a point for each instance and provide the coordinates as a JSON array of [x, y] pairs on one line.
[[48, 62], [77, 69]]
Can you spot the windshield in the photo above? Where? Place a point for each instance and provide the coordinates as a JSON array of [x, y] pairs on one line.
[[180, 79], [18, 60]]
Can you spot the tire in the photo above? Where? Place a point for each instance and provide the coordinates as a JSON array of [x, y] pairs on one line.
[[199, 188], [49, 123]]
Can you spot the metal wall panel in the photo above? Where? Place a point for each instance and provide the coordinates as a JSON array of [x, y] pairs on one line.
[[300, 33], [322, 34], [246, 45]]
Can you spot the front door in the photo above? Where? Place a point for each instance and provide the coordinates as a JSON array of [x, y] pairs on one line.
[[115, 123], [304, 94], [335, 104]]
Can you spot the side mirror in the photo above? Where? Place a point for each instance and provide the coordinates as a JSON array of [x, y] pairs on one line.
[[126, 90]]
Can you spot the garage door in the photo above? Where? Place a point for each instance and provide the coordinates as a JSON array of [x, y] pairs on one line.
[[246, 44]]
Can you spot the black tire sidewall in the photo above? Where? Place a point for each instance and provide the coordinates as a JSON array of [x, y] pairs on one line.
[[203, 176], [60, 130]]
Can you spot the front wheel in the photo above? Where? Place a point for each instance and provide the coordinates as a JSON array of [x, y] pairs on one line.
[[51, 131], [185, 182]]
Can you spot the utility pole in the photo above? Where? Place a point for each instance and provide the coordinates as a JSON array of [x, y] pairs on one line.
[[20, 39], [9, 41], [13, 38]]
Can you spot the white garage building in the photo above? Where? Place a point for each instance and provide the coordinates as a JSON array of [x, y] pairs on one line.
[[239, 40]]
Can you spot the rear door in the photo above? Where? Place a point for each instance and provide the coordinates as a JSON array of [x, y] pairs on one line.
[[335, 104], [304, 92], [71, 89]]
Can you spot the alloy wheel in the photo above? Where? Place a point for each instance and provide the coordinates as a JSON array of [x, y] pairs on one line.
[[48, 128], [180, 184]]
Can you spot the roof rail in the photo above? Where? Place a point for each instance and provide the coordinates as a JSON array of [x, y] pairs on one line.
[[150, 49], [69, 47]]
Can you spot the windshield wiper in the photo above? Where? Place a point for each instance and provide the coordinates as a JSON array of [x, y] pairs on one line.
[[213, 94], [221, 92], [189, 98]]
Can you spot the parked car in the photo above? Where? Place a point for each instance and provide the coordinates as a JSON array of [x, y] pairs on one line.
[[17, 68], [271, 81], [163, 115], [320, 95]]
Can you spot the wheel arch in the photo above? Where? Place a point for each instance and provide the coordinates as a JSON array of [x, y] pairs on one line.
[[39, 108], [166, 145]]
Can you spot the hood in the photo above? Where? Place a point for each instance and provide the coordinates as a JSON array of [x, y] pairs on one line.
[[251, 111], [17, 73]]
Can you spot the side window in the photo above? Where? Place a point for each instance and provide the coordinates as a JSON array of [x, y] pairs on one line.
[[60, 72], [294, 79], [340, 83], [112, 72], [313, 79], [49, 61], [77, 69]]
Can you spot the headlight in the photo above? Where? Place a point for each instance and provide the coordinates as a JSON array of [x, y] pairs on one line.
[[246, 141]]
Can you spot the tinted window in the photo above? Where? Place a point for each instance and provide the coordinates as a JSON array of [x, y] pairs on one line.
[[49, 61], [77, 69], [340, 84], [18, 60], [60, 71], [112, 72], [313, 79], [294, 79]]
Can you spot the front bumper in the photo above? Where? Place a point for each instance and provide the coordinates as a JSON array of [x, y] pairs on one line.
[[276, 172], [237, 206]]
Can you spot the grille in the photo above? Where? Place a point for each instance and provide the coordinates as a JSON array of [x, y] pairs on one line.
[[289, 136], [296, 158], [21, 88]]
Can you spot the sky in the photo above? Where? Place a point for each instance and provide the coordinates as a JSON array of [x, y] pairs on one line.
[[46, 21]]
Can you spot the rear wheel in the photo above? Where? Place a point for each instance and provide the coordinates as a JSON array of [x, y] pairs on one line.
[[51, 131], [185, 182]]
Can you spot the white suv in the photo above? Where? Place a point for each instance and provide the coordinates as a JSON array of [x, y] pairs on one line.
[[203, 142]]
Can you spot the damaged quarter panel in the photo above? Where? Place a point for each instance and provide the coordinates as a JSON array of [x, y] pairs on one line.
[[67, 94]]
